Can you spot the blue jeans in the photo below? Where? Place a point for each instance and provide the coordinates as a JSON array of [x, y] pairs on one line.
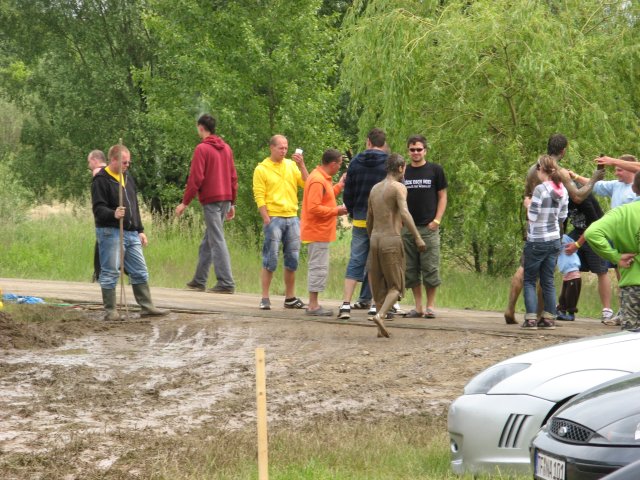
[[134, 264], [213, 248], [359, 253], [540, 261], [285, 230]]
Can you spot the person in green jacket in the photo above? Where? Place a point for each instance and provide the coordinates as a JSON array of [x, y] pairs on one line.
[[616, 237]]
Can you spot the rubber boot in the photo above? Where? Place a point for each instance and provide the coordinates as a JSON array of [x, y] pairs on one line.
[[109, 300], [143, 298]]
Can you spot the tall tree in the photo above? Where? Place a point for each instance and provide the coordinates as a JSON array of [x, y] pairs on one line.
[[488, 82], [71, 70], [259, 68]]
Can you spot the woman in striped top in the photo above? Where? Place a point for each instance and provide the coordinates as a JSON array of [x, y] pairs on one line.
[[546, 212]]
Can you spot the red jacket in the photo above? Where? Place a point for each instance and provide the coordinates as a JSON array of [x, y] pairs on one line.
[[212, 175]]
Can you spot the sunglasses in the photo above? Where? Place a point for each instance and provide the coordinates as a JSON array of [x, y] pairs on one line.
[[414, 150]]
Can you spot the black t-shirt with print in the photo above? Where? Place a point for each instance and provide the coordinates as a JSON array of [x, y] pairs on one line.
[[423, 184], [581, 215]]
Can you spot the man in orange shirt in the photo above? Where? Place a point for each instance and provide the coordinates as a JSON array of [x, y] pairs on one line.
[[320, 212]]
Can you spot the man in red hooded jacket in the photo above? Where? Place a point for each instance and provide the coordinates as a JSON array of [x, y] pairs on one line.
[[213, 178]]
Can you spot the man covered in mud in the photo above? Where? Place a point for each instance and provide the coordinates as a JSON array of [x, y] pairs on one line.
[[387, 211], [105, 197]]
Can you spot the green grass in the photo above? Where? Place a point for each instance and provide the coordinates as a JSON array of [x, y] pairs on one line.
[[328, 448], [60, 247], [400, 448]]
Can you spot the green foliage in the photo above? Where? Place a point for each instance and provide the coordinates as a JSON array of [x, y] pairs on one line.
[[14, 198], [69, 68], [260, 71], [488, 82]]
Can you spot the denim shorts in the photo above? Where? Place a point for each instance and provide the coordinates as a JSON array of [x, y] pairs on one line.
[[359, 253], [285, 230]]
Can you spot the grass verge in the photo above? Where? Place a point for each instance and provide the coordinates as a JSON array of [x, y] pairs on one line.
[[60, 247], [403, 448]]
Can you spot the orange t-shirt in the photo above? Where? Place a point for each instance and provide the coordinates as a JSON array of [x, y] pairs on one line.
[[319, 216]]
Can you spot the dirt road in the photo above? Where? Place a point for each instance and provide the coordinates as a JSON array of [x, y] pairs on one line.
[[196, 366]]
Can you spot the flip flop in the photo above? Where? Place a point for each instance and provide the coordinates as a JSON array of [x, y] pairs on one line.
[[415, 314], [430, 313]]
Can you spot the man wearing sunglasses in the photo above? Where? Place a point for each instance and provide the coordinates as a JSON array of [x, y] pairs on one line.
[[427, 200]]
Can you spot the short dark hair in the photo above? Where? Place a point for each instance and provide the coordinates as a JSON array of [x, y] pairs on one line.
[[331, 155], [208, 122], [377, 137], [413, 139], [557, 142], [394, 162]]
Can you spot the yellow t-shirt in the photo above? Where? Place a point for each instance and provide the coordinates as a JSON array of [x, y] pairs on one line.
[[275, 185]]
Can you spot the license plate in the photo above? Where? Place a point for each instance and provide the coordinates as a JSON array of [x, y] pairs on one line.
[[548, 468]]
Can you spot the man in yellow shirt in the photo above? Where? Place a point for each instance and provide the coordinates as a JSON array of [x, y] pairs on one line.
[[275, 189]]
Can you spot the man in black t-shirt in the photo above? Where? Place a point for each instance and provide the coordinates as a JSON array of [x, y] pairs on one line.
[[427, 200]]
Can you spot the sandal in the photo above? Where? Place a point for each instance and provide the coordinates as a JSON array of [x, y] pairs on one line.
[[430, 313], [415, 314]]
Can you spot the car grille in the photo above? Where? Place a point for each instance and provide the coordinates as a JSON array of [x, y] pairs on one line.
[[567, 431], [511, 431]]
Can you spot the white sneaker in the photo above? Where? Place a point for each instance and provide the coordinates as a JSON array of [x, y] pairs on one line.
[[397, 309], [372, 311]]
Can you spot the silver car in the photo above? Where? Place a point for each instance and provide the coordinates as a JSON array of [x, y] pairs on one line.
[[492, 424]]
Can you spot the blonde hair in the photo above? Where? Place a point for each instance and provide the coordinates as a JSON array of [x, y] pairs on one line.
[[628, 158]]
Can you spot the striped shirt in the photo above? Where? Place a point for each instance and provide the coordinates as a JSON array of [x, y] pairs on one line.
[[548, 209]]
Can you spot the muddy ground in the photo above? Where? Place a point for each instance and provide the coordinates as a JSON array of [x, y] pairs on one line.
[[167, 376]]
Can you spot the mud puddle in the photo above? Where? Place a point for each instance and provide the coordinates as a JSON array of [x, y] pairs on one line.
[[173, 375]]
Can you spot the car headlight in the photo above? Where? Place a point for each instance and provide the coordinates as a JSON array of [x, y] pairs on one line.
[[622, 432], [485, 381]]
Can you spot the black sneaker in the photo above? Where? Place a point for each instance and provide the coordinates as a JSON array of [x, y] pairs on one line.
[[361, 306], [223, 290], [196, 286], [294, 302], [345, 312]]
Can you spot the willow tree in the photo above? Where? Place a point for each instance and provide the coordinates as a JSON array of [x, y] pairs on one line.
[[488, 82]]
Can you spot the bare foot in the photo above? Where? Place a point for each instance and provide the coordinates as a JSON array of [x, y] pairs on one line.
[[381, 328], [510, 318]]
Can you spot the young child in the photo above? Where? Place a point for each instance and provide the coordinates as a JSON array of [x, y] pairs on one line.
[[569, 266], [546, 210]]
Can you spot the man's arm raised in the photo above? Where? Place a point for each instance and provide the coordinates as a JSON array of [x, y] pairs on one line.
[[578, 195]]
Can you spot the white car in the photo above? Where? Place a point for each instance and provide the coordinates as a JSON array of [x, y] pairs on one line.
[[493, 423]]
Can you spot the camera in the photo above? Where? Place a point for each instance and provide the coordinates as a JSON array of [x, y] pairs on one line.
[[298, 151]]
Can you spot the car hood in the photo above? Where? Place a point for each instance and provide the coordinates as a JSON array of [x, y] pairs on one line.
[[563, 370], [600, 406]]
